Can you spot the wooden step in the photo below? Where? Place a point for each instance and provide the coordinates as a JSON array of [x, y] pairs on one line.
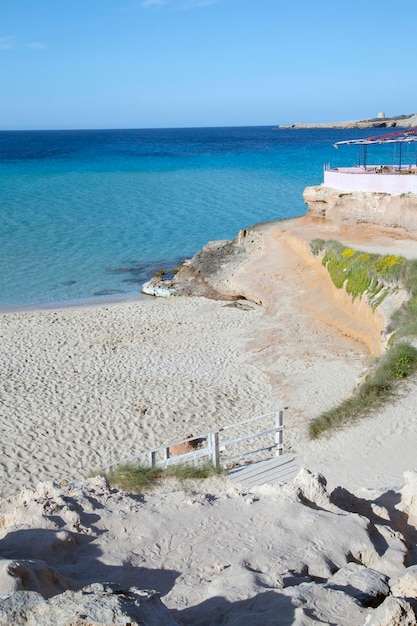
[[274, 470]]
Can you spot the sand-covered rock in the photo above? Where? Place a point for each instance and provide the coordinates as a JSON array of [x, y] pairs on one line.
[[408, 503], [312, 488], [393, 612], [32, 575], [95, 605], [366, 585], [405, 585], [216, 554]]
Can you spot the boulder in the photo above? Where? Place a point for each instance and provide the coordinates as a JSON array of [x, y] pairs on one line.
[[311, 488], [367, 585]]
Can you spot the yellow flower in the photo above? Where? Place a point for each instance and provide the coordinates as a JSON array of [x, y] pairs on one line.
[[348, 252]]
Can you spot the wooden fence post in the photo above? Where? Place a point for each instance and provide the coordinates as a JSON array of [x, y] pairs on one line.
[[279, 423]]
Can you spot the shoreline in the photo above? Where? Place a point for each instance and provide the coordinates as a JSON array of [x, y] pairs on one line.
[[86, 303]]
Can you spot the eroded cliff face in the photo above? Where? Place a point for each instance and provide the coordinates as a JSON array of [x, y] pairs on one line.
[[352, 317], [354, 208]]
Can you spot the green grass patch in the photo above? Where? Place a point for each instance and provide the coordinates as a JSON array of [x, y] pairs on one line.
[[135, 478], [379, 386]]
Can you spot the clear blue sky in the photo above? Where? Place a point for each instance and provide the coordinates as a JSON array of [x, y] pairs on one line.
[[176, 63]]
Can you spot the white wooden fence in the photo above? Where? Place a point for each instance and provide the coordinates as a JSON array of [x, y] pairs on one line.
[[215, 446]]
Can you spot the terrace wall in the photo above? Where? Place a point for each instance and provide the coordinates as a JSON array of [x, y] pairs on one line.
[[356, 179]]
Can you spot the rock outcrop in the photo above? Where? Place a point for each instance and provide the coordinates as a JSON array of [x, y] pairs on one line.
[[355, 208], [209, 271]]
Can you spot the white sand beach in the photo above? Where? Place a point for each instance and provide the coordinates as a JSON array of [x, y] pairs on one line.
[[86, 387]]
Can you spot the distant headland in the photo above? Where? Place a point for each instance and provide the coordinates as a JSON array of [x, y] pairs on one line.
[[400, 121]]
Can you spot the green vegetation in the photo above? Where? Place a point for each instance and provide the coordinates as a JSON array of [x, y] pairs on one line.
[[135, 478], [317, 246], [375, 275], [397, 363], [360, 272]]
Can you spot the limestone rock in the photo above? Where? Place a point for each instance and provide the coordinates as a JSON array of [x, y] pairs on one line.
[[95, 605], [392, 612], [210, 271], [356, 207], [323, 605], [405, 585], [311, 487], [368, 586], [408, 504], [160, 288]]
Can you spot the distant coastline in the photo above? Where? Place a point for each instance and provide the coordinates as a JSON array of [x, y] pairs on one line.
[[400, 121]]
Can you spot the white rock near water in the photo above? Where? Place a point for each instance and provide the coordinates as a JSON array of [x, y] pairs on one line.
[[83, 553]]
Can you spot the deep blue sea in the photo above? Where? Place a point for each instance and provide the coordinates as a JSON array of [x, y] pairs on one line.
[[92, 214]]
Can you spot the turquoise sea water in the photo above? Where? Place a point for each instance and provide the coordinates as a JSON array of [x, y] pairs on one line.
[[93, 214]]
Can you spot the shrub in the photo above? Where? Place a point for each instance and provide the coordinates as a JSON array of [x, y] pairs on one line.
[[316, 246]]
